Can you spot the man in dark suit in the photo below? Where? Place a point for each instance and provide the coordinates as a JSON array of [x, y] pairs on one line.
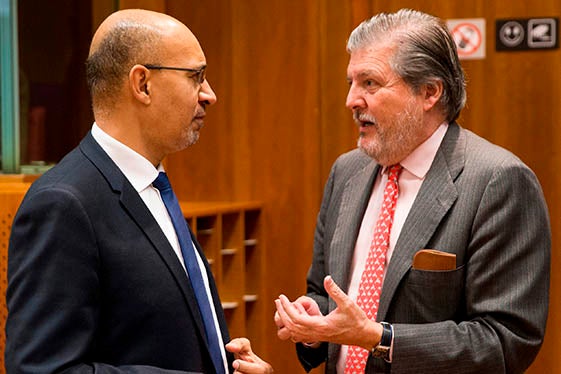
[[96, 277], [460, 282]]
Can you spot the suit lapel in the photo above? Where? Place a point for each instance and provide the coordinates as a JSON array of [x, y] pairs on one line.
[[348, 222], [133, 204], [436, 195]]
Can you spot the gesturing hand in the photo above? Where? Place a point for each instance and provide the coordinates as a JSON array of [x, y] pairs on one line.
[[305, 305], [347, 324], [246, 361]]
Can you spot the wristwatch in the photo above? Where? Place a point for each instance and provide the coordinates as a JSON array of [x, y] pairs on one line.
[[382, 350]]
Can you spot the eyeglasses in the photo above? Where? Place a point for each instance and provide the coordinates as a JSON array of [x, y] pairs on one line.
[[198, 74]]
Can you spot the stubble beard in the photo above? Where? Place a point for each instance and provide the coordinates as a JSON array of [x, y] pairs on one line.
[[192, 137], [393, 141], [192, 133]]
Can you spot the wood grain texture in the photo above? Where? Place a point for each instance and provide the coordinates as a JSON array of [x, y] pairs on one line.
[[262, 138], [11, 194]]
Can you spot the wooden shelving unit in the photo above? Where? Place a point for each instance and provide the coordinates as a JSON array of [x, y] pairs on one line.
[[230, 234]]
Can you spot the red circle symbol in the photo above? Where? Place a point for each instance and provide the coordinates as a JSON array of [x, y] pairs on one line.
[[467, 37]]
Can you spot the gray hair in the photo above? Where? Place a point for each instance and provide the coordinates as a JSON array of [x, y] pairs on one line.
[[126, 44], [424, 51]]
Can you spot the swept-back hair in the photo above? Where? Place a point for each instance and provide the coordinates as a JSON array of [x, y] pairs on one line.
[[424, 51]]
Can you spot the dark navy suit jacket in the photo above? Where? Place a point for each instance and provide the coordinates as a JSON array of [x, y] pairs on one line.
[[93, 283]]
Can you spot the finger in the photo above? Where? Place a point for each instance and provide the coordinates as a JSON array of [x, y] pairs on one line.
[[239, 346], [284, 300], [234, 346], [291, 323], [334, 291], [300, 308], [289, 309], [305, 301], [278, 320], [245, 367], [309, 304], [283, 333], [282, 312]]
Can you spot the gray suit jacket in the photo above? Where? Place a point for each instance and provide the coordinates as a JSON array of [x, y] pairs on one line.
[[477, 201]]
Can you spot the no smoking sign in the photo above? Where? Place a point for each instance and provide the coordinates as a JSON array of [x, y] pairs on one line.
[[469, 35]]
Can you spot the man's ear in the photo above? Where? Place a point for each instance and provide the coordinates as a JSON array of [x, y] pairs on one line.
[[432, 92], [140, 84]]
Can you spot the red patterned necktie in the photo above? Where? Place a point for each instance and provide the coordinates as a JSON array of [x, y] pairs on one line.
[[370, 286]]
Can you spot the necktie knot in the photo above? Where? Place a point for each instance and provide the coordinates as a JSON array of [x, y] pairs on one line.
[[394, 171], [162, 182]]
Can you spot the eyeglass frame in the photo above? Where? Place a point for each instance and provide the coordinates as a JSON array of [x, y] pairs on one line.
[[199, 74]]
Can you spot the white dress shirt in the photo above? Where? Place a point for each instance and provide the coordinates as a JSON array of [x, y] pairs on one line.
[[141, 173], [415, 167]]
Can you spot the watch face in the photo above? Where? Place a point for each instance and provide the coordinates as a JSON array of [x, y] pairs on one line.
[[381, 352]]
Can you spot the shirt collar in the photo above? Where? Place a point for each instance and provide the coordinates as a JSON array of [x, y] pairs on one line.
[[420, 160], [137, 169]]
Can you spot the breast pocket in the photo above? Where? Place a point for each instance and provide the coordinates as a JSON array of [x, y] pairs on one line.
[[430, 296]]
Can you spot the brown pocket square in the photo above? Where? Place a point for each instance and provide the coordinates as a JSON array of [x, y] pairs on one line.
[[431, 259]]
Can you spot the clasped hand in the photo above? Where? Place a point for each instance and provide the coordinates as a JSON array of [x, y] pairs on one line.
[[302, 320]]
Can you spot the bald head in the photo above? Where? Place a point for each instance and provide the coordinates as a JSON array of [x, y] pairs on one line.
[[124, 39], [129, 19]]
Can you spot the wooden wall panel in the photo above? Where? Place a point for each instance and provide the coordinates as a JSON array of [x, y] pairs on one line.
[[155, 5], [275, 53], [206, 170], [11, 194], [261, 140], [100, 10], [338, 130]]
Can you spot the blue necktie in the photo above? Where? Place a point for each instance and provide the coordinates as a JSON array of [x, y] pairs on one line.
[[192, 265]]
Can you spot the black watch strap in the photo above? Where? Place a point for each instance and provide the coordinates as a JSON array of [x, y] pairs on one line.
[[387, 333], [382, 350]]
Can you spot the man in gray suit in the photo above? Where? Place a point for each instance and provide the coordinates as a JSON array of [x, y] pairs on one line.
[[465, 279]]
